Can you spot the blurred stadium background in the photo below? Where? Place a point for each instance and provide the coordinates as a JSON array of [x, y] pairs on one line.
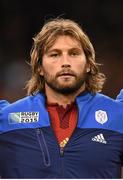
[[21, 20]]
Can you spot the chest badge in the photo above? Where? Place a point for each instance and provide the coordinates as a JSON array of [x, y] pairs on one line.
[[101, 116], [23, 117]]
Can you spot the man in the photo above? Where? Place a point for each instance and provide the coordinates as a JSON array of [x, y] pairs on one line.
[[64, 128], [3, 103], [120, 96]]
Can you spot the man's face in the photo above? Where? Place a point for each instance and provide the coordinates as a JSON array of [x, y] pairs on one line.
[[64, 66]]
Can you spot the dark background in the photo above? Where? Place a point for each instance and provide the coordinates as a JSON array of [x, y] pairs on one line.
[[20, 20]]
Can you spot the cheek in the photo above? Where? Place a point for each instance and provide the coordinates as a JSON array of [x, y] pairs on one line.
[[48, 69], [80, 67], [80, 61], [47, 63], [50, 66]]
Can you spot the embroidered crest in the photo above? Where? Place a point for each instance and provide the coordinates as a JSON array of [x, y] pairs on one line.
[[23, 117], [101, 116]]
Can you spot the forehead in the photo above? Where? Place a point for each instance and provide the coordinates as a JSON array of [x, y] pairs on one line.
[[65, 42]]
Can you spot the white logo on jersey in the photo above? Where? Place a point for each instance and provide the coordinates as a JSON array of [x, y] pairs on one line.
[[23, 117], [99, 138], [101, 116]]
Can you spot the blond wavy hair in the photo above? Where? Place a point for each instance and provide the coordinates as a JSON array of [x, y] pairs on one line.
[[46, 38]]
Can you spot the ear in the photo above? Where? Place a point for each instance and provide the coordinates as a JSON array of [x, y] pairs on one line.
[[40, 70], [88, 68]]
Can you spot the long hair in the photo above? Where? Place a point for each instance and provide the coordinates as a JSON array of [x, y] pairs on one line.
[[46, 38]]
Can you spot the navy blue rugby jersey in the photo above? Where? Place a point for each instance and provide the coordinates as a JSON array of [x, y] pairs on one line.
[[29, 149], [120, 96]]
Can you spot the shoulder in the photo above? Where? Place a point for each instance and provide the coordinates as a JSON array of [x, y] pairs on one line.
[[120, 96], [113, 106], [101, 103], [106, 100], [98, 100], [115, 114], [24, 104], [103, 112], [3, 103], [22, 113]]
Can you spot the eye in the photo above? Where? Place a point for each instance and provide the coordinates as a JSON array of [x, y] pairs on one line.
[[75, 53], [54, 55]]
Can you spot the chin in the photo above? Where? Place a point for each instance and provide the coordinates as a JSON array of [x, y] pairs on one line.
[[66, 83], [67, 91]]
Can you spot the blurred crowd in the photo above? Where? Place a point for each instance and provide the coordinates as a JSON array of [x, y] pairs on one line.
[[21, 20]]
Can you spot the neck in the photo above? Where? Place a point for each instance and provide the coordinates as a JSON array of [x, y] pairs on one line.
[[61, 99]]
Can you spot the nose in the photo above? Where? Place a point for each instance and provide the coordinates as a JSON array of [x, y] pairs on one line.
[[66, 66], [65, 61]]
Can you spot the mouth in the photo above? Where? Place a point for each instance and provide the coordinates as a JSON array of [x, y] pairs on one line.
[[66, 74]]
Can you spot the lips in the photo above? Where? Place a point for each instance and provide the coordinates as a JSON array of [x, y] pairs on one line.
[[66, 74]]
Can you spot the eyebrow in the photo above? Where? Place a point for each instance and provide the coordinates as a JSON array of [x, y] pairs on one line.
[[52, 50], [59, 50]]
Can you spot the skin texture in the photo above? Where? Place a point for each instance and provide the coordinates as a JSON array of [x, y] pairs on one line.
[[64, 67]]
